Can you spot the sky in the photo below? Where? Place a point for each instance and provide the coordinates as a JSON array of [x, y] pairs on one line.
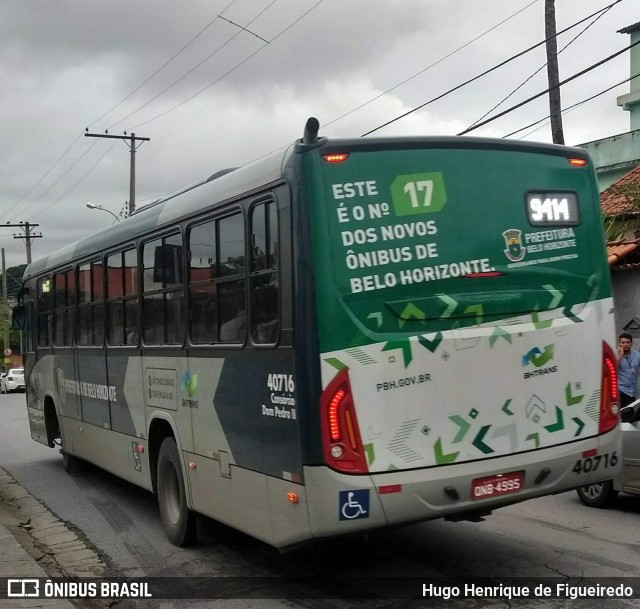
[[219, 83]]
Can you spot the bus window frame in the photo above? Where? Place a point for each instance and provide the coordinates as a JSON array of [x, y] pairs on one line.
[[124, 298], [216, 216], [265, 199], [92, 303], [161, 234]]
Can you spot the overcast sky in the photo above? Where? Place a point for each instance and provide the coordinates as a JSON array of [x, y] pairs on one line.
[[230, 96]]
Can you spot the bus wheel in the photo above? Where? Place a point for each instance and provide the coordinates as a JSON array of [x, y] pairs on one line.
[[70, 464], [177, 519], [597, 495]]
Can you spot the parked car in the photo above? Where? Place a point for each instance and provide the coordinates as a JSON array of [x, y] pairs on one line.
[[603, 494], [12, 380]]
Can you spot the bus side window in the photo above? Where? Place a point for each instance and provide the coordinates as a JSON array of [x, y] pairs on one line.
[[264, 273], [203, 325], [163, 299], [232, 308], [45, 311], [122, 301]]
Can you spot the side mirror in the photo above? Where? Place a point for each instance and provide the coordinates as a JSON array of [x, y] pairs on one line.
[[17, 320]]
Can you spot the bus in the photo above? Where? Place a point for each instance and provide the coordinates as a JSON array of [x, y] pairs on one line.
[[346, 335]]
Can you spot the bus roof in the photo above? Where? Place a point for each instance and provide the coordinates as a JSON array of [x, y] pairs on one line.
[[227, 184], [220, 186]]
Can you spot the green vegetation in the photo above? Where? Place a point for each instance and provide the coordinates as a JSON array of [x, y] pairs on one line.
[[625, 225], [14, 282]]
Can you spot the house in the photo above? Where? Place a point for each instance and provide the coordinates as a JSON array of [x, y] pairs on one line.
[[622, 222], [614, 156]]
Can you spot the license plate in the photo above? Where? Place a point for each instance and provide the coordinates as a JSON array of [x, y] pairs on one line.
[[502, 484]]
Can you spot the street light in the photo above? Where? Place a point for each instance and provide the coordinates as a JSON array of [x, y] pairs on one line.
[[94, 206]]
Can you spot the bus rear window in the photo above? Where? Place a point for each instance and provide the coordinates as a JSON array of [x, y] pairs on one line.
[[420, 238]]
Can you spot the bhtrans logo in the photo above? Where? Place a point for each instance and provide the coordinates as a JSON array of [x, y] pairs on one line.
[[189, 384], [539, 358]]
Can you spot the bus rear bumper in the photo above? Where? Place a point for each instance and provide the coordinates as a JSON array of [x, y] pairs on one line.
[[340, 503]]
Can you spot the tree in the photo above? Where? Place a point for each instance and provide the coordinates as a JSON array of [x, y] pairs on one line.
[[14, 335], [625, 224], [14, 280]]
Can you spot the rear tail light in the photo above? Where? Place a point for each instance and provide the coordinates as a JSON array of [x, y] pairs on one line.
[[609, 408], [336, 157], [341, 442]]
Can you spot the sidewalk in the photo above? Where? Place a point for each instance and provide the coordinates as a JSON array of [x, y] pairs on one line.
[[36, 543]]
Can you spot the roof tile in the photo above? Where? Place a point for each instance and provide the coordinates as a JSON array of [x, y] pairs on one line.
[[616, 250], [613, 203]]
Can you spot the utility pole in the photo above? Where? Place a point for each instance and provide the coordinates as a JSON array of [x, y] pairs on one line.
[[132, 139], [28, 235], [555, 107]]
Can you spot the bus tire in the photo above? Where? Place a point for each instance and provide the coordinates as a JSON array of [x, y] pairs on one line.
[[70, 464], [597, 495], [178, 520]]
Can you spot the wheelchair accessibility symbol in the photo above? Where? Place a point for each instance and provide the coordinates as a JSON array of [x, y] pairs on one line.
[[354, 504]]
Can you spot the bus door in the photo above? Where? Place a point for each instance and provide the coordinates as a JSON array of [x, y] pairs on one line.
[[90, 355], [122, 354], [29, 353], [65, 373]]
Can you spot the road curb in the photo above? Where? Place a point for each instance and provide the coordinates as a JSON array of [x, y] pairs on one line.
[[56, 547]]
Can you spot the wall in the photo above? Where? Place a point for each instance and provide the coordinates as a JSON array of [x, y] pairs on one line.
[[614, 156], [626, 295]]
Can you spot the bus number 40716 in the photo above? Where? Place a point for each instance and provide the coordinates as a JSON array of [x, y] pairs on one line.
[[281, 382], [591, 464]]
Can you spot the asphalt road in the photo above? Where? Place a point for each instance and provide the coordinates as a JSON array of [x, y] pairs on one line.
[[549, 537]]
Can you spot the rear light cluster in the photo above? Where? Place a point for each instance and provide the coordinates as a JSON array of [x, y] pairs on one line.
[[341, 442], [336, 157], [609, 408]]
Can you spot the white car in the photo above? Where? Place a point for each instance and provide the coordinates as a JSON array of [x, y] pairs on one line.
[[603, 494], [12, 380]]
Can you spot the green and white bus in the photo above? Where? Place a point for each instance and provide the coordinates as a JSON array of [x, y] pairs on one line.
[[347, 335]]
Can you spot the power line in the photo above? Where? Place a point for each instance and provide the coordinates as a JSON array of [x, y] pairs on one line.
[[79, 180], [571, 107], [59, 159], [164, 65], [501, 64], [435, 63], [28, 236], [59, 178], [46, 173], [185, 101], [524, 82], [335, 120], [230, 71], [193, 69], [244, 29], [541, 93]]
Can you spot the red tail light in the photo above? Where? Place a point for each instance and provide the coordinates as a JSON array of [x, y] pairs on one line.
[[341, 441], [609, 408], [335, 158]]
